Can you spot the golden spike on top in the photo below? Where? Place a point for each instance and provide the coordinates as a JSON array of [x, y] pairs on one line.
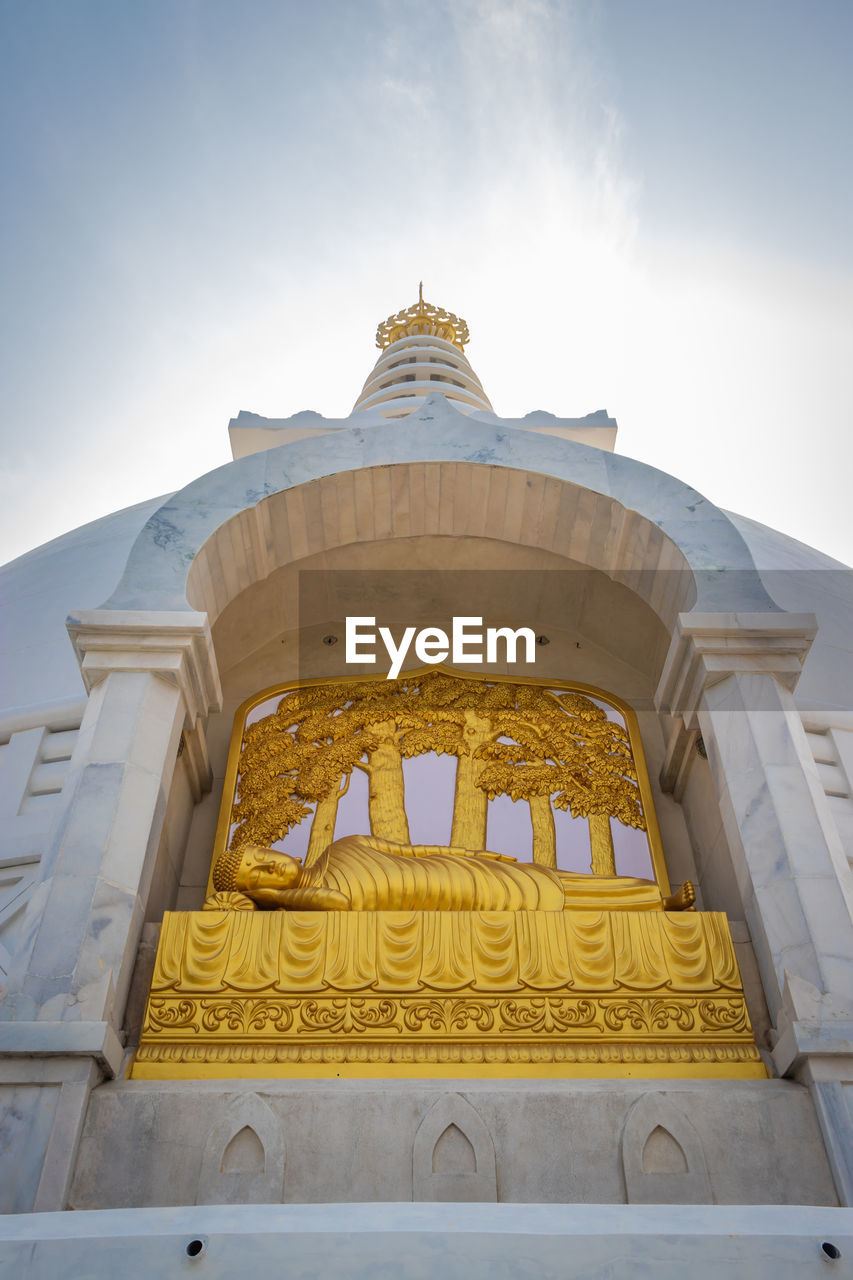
[[423, 318]]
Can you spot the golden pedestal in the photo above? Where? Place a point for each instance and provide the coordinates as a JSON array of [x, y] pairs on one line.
[[446, 993]]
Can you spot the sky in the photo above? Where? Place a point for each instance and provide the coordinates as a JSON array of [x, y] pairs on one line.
[[642, 207]]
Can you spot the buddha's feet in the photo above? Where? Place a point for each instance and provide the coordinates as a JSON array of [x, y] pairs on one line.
[[682, 900]]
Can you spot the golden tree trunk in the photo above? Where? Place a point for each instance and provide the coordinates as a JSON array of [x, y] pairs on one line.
[[470, 807], [386, 794], [323, 826], [544, 831], [470, 803], [601, 845]]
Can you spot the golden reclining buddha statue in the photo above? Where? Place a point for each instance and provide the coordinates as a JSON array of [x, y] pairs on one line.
[[373, 955], [364, 873]]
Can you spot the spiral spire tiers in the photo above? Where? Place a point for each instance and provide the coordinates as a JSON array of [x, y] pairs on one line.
[[423, 351]]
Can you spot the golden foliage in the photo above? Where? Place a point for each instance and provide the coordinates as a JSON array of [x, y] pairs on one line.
[[540, 743]]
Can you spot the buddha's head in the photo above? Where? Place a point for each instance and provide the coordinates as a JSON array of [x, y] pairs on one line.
[[250, 867]]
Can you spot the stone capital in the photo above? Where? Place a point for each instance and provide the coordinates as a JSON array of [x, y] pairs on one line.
[[177, 647], [814, 1027], [25, 1041], [708, 647]]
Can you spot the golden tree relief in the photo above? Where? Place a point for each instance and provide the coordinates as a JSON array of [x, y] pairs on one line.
[[544, 747]]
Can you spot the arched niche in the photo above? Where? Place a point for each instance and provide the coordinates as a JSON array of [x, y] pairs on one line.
[[603, 583], [662, 1155], [453, 1156], [600, 581], [635, 547], [244, 1156]]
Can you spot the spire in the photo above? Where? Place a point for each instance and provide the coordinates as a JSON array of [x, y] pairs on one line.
[[423, 351], [423, 318]]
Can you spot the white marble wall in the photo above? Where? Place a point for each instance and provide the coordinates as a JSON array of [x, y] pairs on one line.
[[43, 1102], [36, 744], [830, 737]]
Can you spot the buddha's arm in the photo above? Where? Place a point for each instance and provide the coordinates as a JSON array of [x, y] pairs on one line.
[[424, 850], [307, 898]]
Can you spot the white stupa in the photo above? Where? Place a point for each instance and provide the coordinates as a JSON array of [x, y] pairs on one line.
[[128, 647]]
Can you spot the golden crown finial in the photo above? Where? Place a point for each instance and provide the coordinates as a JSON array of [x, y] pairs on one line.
[[423, 318]]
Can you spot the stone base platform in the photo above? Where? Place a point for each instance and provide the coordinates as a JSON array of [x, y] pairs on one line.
[[150, 1142]]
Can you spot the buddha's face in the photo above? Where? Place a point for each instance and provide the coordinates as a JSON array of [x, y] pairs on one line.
[[266, 869]]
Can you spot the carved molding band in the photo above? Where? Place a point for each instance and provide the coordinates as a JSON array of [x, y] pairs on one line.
[[467, 1016]]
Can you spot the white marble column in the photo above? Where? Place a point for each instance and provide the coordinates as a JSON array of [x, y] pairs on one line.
[[731, 677], [151, 679]]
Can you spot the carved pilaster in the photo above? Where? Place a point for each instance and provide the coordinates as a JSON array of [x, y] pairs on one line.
[[731, 677], [708, 647], [176, 647]]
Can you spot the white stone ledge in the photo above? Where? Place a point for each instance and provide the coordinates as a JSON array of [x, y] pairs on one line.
[[95, 1040], [412, 1240], [819, 719], [66, 713], [813, 1040], [524, 1086], [38, 1071]]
